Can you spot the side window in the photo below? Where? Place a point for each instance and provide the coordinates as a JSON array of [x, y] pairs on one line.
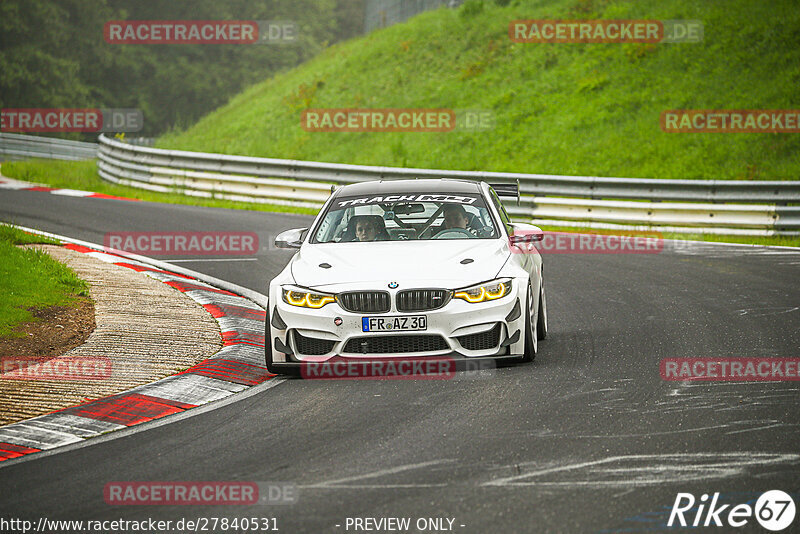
[[503, 215]]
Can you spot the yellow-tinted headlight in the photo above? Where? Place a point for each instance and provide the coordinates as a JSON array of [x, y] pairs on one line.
[[306, 299], [481, 293]]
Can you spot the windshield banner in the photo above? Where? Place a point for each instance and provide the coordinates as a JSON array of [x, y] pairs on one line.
[[466, 200]]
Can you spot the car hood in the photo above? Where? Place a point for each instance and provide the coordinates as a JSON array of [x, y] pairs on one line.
[[375, 264]]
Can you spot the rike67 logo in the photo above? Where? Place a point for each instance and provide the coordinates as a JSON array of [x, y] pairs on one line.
[[774, 510]]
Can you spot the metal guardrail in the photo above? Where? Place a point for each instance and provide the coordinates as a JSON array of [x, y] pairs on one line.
[[530, 184], [16, 146], [667, 216], [711, 206], [688, 206]]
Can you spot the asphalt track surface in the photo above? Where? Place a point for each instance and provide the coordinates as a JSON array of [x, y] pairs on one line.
[[588, 438]]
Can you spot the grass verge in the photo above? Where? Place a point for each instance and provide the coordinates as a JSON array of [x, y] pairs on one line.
[[568, 109], [31, 279]]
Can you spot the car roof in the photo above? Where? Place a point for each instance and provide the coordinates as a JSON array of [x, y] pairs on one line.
[[422, 185]]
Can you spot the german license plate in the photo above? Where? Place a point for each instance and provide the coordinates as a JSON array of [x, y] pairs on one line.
[[394, 324]]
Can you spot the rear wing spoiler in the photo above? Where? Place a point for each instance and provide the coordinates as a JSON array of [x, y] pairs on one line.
[[507, 190]]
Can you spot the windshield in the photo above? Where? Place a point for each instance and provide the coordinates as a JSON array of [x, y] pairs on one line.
[[406, 217]]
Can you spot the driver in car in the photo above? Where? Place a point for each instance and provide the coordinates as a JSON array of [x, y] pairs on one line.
[[366, 230]]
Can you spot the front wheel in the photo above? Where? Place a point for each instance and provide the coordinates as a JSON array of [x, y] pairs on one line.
[[541, 325], [531, 324], [268, 348], [269, 364]]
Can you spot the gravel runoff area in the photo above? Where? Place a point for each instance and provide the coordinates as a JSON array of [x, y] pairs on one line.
[[145, 330]]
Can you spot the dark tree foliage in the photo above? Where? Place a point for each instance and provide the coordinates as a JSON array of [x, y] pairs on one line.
[[53, 54]]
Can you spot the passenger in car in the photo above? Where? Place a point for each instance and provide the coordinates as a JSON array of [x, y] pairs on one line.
[[455, 216]]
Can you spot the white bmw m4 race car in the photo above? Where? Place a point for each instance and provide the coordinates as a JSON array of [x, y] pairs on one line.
[[408, 269]]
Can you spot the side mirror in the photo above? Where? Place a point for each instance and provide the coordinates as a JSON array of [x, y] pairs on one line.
[[516, 239], [290, 238], [526, 233]]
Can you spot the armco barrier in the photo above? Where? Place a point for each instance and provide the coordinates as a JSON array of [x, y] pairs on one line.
[[717, 206], [16, 146], [530, 184], [689, 206]]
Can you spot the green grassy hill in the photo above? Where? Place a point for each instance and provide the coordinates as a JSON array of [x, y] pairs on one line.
[[582, 109]]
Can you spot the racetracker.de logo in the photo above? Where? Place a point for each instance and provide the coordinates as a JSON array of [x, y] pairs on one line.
[[378, 120], [731, 369], [66, 368], [199, 32], [199, 493], [731, 120], [427, 368], [71, 120], [529, 241], [605, 31], [183, 243]]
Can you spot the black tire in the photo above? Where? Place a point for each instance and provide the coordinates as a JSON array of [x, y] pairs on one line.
[[293, 371], [531, 337], [268, 347], [541, 323], [276, 369]]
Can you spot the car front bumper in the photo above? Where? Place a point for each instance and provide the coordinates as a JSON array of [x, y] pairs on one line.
[[492, 329]]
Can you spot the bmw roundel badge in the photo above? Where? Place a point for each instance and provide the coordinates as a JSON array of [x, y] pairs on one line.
[[393, 285]]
